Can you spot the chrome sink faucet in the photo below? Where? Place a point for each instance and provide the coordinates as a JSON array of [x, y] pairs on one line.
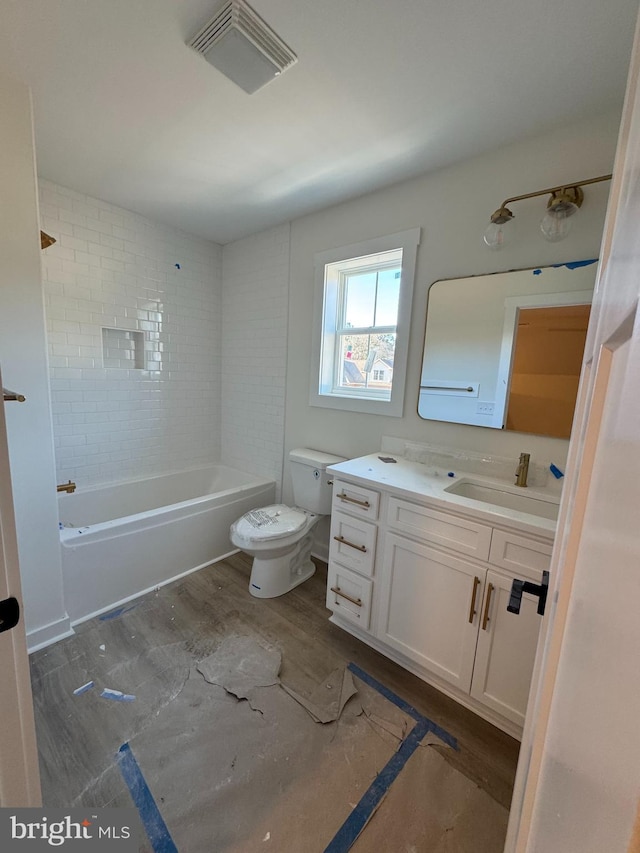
[[523, 469]]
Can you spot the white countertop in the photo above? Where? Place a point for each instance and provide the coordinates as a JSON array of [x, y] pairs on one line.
[[426, 484]]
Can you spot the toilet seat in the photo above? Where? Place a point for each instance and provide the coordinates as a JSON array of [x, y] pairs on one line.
[[267, 524]]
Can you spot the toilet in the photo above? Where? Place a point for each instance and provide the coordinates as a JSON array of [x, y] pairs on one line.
[[278, 537]]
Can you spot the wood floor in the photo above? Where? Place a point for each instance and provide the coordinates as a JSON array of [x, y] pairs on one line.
[[147, 650]]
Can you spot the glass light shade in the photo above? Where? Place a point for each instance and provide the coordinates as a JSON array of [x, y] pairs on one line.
[[555, 225], [497, 235]]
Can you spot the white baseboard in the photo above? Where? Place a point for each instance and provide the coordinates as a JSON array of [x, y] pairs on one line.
[[45, 636]]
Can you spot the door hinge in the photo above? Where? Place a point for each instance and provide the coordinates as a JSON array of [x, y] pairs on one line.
[[9, 614]]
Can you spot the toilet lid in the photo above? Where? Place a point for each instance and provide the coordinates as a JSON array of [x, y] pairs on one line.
[[269, 522]]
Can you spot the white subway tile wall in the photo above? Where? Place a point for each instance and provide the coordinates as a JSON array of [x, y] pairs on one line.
[[115, 270], [254, 351]]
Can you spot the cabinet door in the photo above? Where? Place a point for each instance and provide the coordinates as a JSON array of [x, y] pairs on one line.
[[506, 650], [430, 608]]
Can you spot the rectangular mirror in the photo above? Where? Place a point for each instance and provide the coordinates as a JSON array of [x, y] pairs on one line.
[[505, 350]]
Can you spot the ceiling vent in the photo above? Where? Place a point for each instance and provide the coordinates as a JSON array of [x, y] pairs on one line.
[[239, 43]]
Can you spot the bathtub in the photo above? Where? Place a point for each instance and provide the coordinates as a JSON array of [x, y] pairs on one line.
[[122, 540]]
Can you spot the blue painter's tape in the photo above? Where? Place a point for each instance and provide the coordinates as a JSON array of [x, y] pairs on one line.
[[80, 690], [114, 614], [571, 265], [117, 695], [574, 265], [357, 820], [154, 825], [355, 823], [404, 706]]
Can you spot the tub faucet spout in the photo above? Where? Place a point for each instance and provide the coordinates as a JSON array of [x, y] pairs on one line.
[[522, 470], [66, 487]]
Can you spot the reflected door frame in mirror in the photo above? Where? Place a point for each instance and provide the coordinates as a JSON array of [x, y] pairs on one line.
[[513, 306], [469, 337]]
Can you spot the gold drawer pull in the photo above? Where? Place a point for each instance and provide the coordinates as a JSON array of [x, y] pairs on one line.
[[338, 591], [346, 498], [344, 541], [472, 609], [487, 605]]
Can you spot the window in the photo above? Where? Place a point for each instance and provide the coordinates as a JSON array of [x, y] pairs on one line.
[[361, 324]]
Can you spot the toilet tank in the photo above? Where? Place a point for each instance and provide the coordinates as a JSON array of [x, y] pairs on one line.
[[310, 487]]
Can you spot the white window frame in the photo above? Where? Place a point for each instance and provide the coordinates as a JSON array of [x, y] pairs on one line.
[[322, 390]]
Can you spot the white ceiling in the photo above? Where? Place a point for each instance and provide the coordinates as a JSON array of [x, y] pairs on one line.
[[383, 90]]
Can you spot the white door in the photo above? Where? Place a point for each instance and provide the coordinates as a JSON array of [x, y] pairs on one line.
[[19, 775], [429, 608], [578, 783]]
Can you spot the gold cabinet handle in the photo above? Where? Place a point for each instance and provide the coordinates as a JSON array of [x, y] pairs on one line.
[[487, 605], [346, 498], [472, 609], [344, 541], [338, 591]]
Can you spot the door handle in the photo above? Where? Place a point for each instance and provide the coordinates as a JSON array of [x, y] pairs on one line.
[[9, 614], [487, 605], [518, 587], [472, 608]]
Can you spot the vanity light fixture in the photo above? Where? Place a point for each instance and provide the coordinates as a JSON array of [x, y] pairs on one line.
[[563, 202]]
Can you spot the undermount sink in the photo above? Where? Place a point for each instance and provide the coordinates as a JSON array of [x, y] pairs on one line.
[[490, 493]]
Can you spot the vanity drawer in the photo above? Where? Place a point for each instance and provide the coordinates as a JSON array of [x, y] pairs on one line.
[[353, 542], [440, 528], [520, 555], [357, 500], [349, 595]]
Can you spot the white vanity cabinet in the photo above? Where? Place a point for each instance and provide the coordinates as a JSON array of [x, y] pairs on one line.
[[429, 588]]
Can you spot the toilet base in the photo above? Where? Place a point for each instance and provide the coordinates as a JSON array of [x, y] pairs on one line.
[[271, 577]]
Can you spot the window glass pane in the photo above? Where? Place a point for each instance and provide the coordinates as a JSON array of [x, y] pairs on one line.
[[385, 348], [360, 297], [388, 296], [366, 362], [354, 350]]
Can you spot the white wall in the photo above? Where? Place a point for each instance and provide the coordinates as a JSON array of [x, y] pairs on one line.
[[24, 368], [113, 268], [254, 351], [452, 207]]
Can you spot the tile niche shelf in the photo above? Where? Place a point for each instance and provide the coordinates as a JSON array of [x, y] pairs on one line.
[[123, 348]]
